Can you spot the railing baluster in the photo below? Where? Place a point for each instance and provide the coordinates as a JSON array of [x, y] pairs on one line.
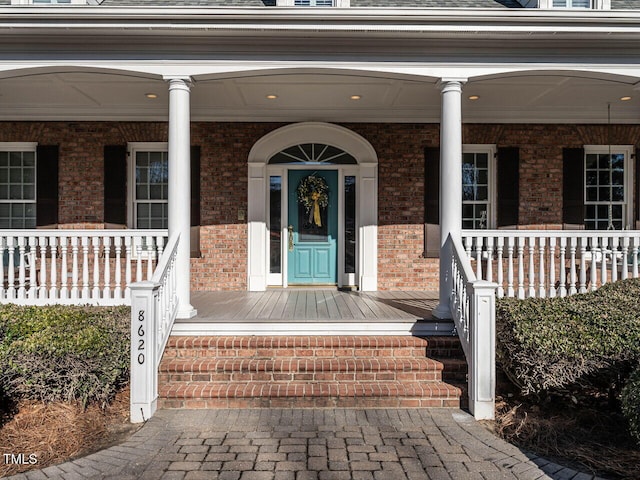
[[138, 246], [95, 291], [532, 268], [500, 248], [478, 243], [593, 268], [21, 267], [634, 257], [150, 253], [552, 267], [614, 259], [542, 291], [572, 265], [117, 291], [53, 250], [604, 246], [106, 248], [3, 247], [129, 258], [64, 273], [625, 258], [583, 266], [510, 247], [489, 244], [521, 241], [32, 293], [85, 267], [42, 288], [74, 268], [563, 267]]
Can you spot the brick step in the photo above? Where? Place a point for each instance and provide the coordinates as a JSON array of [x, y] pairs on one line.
[[304, 394], [310, 371], [296, 346], [344, 369]]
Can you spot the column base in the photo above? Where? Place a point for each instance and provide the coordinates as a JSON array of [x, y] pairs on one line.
[[442, 312], [186, 311]]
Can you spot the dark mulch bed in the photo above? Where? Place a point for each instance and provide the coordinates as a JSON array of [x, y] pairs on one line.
[[57, 432], [585, 431]]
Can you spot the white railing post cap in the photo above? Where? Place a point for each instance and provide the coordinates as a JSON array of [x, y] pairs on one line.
[[144, 285], [482, 285]]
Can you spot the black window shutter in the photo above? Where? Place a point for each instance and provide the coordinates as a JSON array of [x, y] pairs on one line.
[[573, 185], [637, 192], [47, 185], [195, 186], [432, 185], [115, 184], [508, 188], [431, 202]]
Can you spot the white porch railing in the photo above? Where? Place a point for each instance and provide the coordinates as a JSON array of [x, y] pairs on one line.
[[552, 263], [96, 267], [473, 310], [154, 305]]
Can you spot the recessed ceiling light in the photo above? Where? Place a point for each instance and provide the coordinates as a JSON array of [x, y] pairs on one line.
[[151, 95], [355, 97], [474, 97], [625, 99], [272, 97]]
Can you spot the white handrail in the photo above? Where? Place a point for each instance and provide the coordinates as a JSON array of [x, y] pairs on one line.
[[40, 267], [154, 305], [472, 306], [553, 263]]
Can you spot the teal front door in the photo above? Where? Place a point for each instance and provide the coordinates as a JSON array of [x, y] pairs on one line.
[[313, 227]]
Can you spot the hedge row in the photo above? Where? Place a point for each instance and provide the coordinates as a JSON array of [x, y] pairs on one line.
[[552, 343], [63, 353]]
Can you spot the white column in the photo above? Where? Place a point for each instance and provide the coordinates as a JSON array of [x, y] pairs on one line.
[[450, 185], [180, 188]]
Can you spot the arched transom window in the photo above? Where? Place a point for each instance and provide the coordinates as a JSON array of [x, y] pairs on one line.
[[313, 154]]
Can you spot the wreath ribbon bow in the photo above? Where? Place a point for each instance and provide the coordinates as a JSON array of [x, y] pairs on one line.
[[315, 216]]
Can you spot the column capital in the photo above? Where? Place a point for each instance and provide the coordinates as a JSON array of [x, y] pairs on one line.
[[178, 82], [451, 84]]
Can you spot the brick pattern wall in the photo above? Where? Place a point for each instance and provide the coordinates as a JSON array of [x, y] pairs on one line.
[[225, 148]]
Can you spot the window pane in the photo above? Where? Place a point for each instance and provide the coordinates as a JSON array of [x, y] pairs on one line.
[[604, 191], [275, 224], [152, 175], [350, 224]]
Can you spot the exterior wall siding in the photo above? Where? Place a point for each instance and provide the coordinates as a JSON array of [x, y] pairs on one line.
[[224, 151]]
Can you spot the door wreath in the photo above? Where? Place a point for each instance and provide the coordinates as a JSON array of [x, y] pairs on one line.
[[313, 194]]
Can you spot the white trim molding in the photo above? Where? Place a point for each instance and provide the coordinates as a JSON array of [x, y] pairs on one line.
[[366, 173]]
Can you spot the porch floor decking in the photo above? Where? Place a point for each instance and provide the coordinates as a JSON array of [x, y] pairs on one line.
[[313, 311]]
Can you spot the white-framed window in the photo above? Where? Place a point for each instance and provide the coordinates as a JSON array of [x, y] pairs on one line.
[[48, 2], [478, 186], [148, 185], [18, 185], [313, 3], [571, 4], [608, 184]]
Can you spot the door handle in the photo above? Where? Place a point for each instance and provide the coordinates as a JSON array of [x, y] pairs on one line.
[[290, 229]]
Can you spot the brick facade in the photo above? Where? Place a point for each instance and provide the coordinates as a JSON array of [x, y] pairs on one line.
[[224, 151]]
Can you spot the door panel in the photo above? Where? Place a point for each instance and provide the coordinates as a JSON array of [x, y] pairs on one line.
[[312, 256]]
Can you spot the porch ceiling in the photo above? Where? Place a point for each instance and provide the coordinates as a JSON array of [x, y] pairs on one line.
[[528, 98]]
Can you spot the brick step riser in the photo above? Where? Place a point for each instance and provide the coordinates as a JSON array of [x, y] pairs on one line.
[[175, 352], [426, 376], [316, 402]]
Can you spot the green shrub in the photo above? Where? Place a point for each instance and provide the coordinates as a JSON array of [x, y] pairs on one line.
[[58, 353], [552, 343], [630, 399]]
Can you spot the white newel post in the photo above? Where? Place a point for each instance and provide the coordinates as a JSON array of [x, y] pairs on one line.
[[482, 364], [450, 185], [180, 188], [144, 331]]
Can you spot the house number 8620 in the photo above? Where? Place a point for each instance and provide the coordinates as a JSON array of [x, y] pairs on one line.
[[141, 338]]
